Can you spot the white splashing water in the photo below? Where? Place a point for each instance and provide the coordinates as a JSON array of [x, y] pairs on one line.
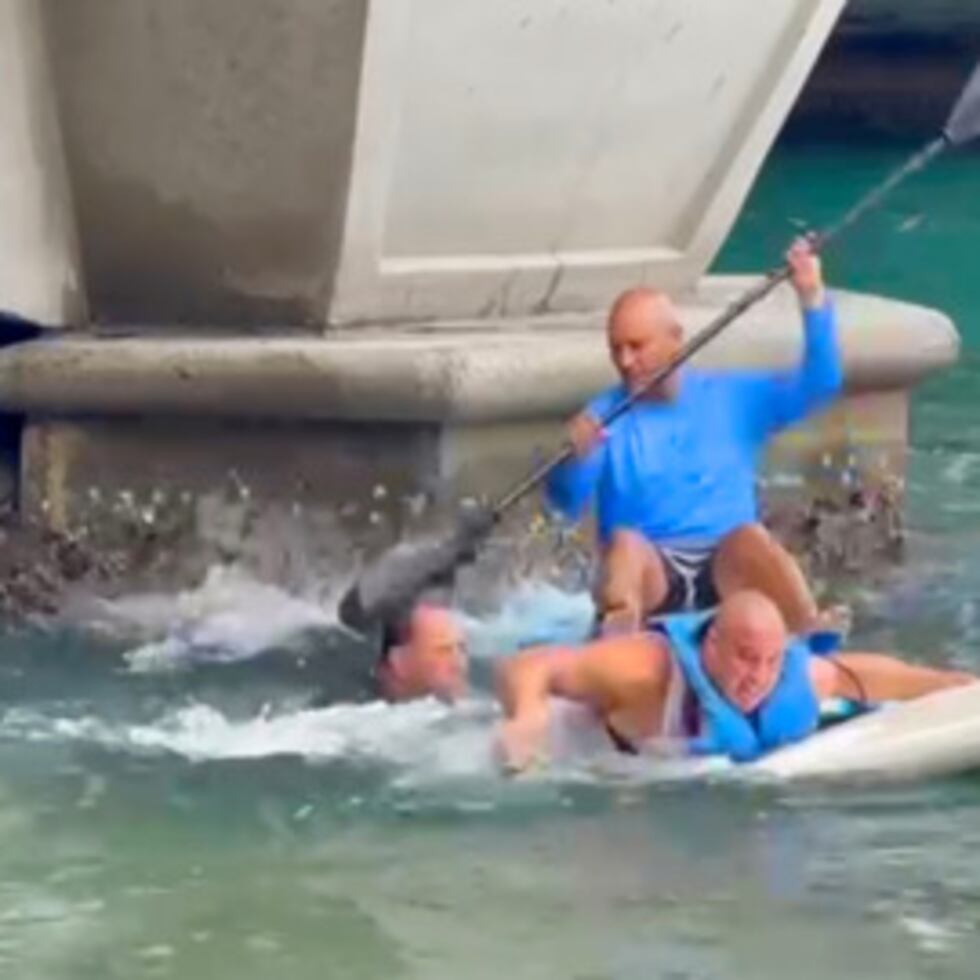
[[229, 617], [535, 613], [232, 617], [421, 744], [421, 737]]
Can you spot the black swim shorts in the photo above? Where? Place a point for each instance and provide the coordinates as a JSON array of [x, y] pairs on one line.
[[690, 584]]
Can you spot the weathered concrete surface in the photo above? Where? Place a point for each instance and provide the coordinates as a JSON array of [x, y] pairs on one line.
[[81, 463], [208, 143], [39, 275], [488, 375], [120, 504]]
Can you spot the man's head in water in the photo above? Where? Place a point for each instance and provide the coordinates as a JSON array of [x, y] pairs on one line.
[[643, 334], [427, 658], [744, 649]]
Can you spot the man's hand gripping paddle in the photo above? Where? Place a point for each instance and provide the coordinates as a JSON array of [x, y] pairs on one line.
[[400, 575]]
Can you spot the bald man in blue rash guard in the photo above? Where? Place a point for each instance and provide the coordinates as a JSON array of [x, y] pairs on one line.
[[673, 480]]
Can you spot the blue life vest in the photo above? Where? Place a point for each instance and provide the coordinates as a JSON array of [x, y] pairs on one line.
[[788, 714]]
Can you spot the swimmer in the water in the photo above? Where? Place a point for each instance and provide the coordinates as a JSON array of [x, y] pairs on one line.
[[423, 655], [416, 654], [732, 683]]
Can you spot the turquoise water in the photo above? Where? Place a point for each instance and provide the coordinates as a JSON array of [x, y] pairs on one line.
[[200, 820]]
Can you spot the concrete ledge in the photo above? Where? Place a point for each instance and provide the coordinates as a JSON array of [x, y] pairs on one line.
[[467, 374]]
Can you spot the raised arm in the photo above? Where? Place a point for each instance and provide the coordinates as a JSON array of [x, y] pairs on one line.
[[879, 677], [777, 399], [819, 376]]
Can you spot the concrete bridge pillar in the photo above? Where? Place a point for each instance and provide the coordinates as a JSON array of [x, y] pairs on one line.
[[297, 163]]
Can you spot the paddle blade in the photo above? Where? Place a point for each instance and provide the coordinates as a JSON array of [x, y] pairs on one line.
[[964, 121], [389, 586], [393, 583]]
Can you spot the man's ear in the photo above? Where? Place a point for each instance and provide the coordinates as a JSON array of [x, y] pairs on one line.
[[396, 662]]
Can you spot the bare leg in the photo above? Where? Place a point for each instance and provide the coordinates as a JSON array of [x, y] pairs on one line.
[[881, 677], [634, 582], [751, 558]]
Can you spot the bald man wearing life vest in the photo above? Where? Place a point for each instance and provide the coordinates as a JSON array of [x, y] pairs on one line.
[[672, 481], [734, 682]]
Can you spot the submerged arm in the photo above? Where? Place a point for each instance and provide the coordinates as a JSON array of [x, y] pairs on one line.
[[879, 677], [819, 376]]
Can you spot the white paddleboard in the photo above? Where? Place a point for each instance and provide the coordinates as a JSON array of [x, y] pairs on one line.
[[934, 735]]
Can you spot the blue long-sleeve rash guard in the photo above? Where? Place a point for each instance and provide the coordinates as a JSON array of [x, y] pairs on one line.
[[683, 472]]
